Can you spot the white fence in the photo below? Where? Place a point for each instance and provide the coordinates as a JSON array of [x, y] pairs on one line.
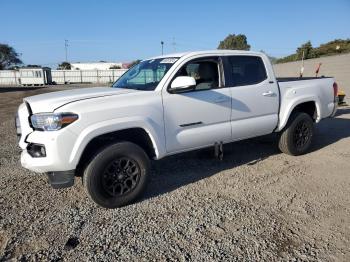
[[9, 77], [13, 77], [86, 76]]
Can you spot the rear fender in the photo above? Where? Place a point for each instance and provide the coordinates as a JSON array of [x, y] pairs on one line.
[[288, 106]]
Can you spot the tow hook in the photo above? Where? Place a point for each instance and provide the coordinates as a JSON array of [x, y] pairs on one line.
[[219, 151]]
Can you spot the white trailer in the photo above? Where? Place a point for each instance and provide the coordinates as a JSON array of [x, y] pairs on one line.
[[35, 76]]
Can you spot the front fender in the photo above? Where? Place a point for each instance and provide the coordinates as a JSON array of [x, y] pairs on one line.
[[112, 125]]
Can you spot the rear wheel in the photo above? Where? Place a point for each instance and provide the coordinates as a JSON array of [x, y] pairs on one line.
[[296, 137], [117, 175]]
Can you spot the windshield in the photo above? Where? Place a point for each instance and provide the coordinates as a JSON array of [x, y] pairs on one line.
[[146, 75]]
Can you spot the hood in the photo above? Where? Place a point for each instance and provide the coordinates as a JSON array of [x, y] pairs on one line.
[[53, 100]]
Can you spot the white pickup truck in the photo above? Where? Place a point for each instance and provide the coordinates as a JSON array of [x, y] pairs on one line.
[[164, 106]]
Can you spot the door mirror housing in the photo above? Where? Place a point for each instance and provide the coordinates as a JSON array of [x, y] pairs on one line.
[[183, 84]]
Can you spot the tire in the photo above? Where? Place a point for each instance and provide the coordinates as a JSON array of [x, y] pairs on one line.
[[111, 181], [296, 137]]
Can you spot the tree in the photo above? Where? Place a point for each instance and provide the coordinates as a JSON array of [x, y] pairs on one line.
[[14, 67], [235, 42], [8, 56], [32, 66], [334, 47], [115, 67], [64, 66], [306, 48], [293, 57], [308, 51]]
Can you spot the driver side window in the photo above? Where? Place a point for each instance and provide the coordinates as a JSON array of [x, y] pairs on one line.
[[205, 72]]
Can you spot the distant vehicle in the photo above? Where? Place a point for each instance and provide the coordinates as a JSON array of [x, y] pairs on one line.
[[164, 106]]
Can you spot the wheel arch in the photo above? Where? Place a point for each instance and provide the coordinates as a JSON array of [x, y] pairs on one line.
[[136, 135], [309, 106]]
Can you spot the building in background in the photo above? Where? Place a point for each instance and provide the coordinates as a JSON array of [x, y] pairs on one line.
[[95, 65]]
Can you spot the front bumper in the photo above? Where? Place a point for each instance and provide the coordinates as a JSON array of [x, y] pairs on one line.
[[55, 157], [58, 148], [61, 179]]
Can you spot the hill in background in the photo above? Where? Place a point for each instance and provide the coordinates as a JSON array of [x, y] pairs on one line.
[[335, 47]]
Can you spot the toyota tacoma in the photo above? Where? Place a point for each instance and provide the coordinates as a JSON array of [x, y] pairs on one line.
[[164, 106]]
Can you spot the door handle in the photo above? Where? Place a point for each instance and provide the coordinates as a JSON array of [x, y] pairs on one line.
[[221, 99], [269, 93]]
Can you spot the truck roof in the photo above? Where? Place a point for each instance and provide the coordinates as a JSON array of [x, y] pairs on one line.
[[214, 52]]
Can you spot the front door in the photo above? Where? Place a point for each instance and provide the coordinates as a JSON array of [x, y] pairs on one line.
[[199, 117]]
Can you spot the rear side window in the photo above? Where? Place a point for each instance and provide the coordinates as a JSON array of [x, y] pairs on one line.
[[245, 70]]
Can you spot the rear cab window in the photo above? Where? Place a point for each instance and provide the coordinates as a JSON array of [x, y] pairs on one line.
[[244, 70]]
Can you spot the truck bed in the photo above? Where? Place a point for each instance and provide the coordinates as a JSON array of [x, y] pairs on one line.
[[318, 90], [286, 79]]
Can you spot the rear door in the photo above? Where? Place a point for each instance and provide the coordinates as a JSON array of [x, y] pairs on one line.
[[255, 96]]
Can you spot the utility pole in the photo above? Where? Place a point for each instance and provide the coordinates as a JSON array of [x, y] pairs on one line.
[[174, 44], [162, 43], [66, 49]]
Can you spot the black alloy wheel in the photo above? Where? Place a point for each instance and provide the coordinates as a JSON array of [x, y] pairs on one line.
[[121, 176]]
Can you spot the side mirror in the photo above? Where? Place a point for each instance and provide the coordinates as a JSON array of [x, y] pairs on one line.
[[182, 84]]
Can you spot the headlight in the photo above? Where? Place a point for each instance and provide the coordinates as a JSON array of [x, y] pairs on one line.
[[52, 121]]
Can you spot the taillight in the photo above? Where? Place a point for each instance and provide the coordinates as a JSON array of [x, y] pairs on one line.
[[335, 89]]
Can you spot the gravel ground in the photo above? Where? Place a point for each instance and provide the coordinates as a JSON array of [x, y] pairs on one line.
[[255, 205]]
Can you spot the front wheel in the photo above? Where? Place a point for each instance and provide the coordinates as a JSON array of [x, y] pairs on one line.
[[296, 137], [117, 175]]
